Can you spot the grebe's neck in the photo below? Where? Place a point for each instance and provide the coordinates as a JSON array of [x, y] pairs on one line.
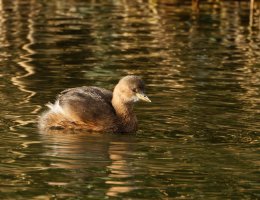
[[125, 113]]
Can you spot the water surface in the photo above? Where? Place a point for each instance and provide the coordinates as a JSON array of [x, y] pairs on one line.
[[198, 139]]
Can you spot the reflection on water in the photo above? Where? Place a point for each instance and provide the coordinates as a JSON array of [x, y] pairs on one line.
[[120, 170], [10, 40], [200, 135]]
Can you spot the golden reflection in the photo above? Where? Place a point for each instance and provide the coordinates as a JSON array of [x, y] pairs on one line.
[[8, 37], [251, 18], [3, 29], [169, 38], [153, 6], [248, 54], [119, 169], [195, 5], [25, 63]]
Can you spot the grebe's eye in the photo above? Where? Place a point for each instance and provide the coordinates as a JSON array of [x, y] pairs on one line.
[[134, 90]]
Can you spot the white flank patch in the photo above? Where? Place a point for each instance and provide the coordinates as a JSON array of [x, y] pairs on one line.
[[56, 108]]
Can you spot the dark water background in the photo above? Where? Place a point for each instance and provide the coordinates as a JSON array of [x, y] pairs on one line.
[[198, 139]]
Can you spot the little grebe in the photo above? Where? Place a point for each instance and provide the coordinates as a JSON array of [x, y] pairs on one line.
[[96, 109]]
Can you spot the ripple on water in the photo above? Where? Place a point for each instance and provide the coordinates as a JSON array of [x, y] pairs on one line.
[[199, 135]]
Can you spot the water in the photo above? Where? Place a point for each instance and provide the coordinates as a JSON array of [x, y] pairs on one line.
[[198, 139]]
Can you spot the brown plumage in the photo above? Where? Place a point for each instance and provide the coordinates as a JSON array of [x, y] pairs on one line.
[[96, 109]]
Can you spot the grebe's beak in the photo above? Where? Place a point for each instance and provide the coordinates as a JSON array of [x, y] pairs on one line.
[[143, 97]]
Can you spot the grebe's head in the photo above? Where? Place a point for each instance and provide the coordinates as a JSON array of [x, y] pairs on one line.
[[130, 89]]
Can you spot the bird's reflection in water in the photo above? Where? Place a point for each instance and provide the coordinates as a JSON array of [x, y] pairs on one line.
[[120, 171], [93, 151]]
